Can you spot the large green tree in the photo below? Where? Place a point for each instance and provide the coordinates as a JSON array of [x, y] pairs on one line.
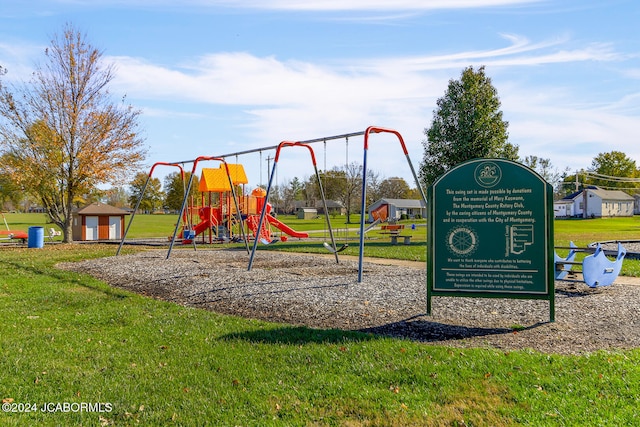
[[466, 124], [395, 188], [61, 135], [174, 188], [153, 196], [614, 170]]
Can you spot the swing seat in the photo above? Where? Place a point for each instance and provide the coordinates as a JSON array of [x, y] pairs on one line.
[[268, 242], [340, 249]]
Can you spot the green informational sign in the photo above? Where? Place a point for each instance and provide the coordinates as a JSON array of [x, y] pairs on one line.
[[491, 233]]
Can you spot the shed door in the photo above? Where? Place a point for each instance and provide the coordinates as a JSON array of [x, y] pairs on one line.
[[114, 228], [91, 228]]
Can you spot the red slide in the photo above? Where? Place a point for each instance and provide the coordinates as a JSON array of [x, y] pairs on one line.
[[197, 229], [285, 228]]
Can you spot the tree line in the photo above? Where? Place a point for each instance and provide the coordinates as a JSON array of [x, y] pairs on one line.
[[342, 185]]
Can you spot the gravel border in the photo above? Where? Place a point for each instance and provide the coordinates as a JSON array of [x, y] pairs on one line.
[[314, 291]]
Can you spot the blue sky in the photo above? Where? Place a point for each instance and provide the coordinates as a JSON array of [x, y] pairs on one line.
[[214, 77]]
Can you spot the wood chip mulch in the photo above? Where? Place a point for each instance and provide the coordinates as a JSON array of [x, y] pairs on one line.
[[316, 292]]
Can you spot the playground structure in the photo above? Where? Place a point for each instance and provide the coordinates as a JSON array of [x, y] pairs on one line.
[[221, 215], [256, 202], [12, 234], [211, 219], [597, 269], [218, 220], [218, 217]]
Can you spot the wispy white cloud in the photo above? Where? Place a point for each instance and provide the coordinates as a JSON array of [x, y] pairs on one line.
[[240, 78], [520, 52], [18, 58], [244, 79], [303, 98]]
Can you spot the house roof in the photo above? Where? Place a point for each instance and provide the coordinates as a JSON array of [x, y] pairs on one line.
[[611, 194], [101, 209], [331, 204], [571, 196], [603, 194], [403, 203]]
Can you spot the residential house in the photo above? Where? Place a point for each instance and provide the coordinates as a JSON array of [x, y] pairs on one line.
[[594, 202], [398, 207], [334, 207]]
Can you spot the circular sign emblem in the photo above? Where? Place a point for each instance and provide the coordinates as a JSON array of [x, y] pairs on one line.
[[488, 174], [462, 240]]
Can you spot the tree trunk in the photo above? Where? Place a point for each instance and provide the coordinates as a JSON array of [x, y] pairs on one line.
[[67, 229]]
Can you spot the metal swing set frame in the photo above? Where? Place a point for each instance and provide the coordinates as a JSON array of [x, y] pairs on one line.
[[331, 247]]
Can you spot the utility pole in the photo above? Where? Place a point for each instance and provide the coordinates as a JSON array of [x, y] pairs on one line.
[[268, 160]]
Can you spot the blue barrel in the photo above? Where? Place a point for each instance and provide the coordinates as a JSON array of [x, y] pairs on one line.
[[36, 237]]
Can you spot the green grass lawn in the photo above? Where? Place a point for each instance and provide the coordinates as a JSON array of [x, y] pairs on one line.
[[581, 232], [68, 339], [585, 231]]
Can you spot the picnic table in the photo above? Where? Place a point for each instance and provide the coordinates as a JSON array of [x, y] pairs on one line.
[[394, 231]]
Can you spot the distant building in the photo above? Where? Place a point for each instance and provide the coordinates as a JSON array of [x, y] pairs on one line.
[[334, 207], [397, 207], [98, 221], [307, 213], [594, 202]]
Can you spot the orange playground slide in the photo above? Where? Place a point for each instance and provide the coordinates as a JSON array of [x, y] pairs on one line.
[[285, 228], [265, 233]]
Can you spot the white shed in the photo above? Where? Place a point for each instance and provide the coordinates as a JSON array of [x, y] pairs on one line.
[[307, 213]]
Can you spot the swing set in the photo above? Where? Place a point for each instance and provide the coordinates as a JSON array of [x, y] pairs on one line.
[[240, 214]]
